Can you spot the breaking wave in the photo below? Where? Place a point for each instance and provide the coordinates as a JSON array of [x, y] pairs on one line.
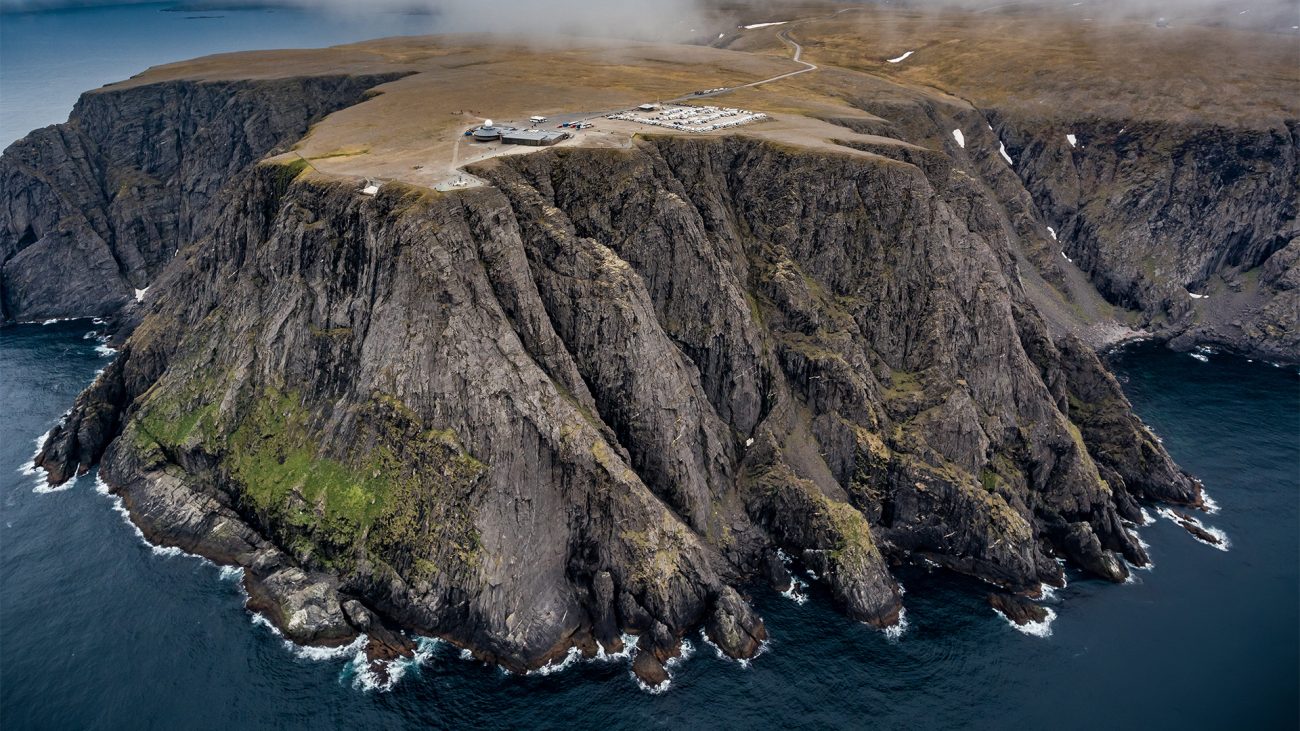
[[1041, 629], [366, 679], [119, 506], [1178, 520], [29, 469], [895, 632], [742, 662]]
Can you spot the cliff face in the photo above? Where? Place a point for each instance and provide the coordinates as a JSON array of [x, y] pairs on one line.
[[1182, 228], [94, 208], [597, 395], [1185, 224]]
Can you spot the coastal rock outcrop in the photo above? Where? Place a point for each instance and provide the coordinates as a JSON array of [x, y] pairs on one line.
[[595, 396]]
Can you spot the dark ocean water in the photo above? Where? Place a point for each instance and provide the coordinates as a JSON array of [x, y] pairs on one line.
[[97, 630]]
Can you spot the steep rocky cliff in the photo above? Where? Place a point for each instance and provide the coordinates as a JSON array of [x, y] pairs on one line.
[[597, 395], [1184, 223], [1182, 227], [95, 207]]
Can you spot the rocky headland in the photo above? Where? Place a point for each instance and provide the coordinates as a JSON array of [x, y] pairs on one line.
[[595, 394]]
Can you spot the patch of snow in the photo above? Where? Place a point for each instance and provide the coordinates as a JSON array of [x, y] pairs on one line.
[[961, 138], [901, 58], [763, 25], [1066, 257], [720, 35], [139, 294], [1196, 296], [1002, 148], [1074, 141], [1052, 231]]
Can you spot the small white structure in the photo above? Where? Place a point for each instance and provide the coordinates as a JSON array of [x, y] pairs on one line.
[[537, 119], [370, 188]]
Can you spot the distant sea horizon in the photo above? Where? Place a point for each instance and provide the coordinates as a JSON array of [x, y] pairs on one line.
[[48, 58]]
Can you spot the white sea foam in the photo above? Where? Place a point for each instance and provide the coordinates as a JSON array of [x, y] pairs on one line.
[[570, 657], [1210, 506], [119, 507], [1002, 148], [1047, 592], [895, 632], [41, 485], [318, 654], [232, 573], [629, 648], [687, 650], [1223, 545], [1200, 356], [366, 679], [795, 592], [1148, 518], [651, 689], [29, 467], [261, 621], [1036, 629], [742, 662], [903, 58], [104, 351], [961, 138], [1146, 548]]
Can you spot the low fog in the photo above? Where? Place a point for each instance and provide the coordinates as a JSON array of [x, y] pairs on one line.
[[690, 19]]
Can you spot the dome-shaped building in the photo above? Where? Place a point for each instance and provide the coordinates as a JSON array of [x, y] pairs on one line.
[[487, 132]]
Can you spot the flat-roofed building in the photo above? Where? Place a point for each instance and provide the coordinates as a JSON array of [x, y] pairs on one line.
[[533, 137]]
